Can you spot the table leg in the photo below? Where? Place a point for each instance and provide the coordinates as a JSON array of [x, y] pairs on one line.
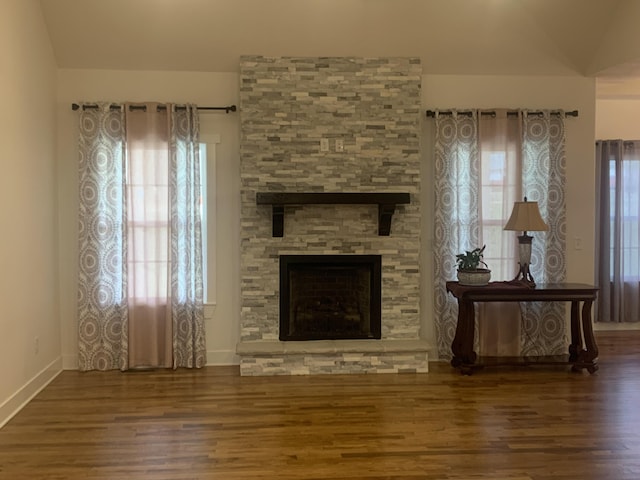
[[590, 354], [462, 346], [587, 357], [576, 337]]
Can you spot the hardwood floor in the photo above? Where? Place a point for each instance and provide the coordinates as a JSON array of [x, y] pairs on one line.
[[524, 423]]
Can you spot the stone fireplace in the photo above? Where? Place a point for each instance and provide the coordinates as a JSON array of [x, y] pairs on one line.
[[338, 127]]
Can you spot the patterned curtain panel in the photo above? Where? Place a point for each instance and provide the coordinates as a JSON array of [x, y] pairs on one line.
[[102, 269], [189, 348], [543, 179], [110, 310], [457, 173]]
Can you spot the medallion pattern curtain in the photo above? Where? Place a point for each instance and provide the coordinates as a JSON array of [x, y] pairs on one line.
[[544, 180], [103, 327], [456, 215], [187, 311], [140, 267], [618, 230], [458, 218]]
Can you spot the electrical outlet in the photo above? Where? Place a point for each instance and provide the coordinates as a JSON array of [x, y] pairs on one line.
[[577, 243], [339, 145], [324, 144], [36, 345]]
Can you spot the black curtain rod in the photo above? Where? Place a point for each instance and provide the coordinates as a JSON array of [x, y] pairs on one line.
[[75, 106], [432, 113]]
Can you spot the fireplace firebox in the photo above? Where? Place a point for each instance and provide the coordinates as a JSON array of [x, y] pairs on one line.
[[330, 297]]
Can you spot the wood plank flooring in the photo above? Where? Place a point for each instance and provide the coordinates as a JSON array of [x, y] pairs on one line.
[[516, 423]]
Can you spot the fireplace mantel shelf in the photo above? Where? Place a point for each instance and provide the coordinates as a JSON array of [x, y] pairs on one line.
[[386, 202]]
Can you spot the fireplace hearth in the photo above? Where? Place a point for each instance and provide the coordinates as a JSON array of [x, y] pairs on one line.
[[330, 297]]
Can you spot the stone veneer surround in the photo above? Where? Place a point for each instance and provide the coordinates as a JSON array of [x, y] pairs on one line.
[[287, 105]]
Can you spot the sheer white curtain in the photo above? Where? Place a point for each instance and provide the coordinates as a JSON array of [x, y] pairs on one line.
[[483, 163], [618, 230], [140, 270]]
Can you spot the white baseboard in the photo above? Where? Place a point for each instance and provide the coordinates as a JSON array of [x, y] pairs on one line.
[[214, 357], [222, 357], [613, 327], [25, 394], [70, 362]]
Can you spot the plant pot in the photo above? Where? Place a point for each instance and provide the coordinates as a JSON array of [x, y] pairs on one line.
[[477, 277]]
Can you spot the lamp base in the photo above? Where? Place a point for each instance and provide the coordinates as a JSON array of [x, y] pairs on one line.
[[524, 276]]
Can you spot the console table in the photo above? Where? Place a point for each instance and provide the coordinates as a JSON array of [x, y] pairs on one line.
[[465, 358]]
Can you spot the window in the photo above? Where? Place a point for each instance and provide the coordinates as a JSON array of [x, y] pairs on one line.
[[148, 222], [493, 191], [204, 160], [208, 145], [625, 175], [617, 259], [147, 197], [498, 191]]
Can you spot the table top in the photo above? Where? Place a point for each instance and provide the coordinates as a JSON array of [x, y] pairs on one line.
[[519, 291]]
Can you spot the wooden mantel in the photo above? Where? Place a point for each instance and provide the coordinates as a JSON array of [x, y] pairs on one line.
[[386, 204]]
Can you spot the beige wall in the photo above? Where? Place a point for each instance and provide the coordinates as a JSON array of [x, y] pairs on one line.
[[28, 286], [618, 119]]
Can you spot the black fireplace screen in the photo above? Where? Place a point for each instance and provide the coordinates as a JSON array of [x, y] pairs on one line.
[[326, 297]]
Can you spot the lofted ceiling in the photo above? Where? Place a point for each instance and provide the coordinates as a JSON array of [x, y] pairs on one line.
[[497, 37]]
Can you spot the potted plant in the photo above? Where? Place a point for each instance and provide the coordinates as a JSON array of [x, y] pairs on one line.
[[469, 270]]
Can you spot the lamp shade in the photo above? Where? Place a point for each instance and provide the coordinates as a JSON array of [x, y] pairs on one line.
[[526, 217]]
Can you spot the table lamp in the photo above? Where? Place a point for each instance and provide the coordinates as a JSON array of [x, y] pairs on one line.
[[526, 217]]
